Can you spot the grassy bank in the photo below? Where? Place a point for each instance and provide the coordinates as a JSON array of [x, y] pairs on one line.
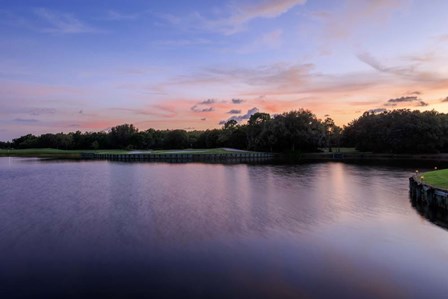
[[50, 153], [438, 178], [75, 154], [344, 154]]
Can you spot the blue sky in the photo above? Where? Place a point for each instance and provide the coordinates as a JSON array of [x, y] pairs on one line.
[[89, 65]]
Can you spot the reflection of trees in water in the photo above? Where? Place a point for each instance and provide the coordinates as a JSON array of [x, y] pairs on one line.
[[435, 215]]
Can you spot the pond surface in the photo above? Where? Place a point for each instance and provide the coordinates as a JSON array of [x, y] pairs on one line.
[[101, 229]]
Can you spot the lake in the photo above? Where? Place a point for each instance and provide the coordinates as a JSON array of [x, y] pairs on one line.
[[99, 229]]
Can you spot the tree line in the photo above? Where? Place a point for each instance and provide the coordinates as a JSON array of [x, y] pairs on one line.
[[397, 131]]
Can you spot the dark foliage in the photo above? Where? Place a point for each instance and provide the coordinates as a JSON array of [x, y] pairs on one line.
[[292, 131], [5, 145], [399, 131]]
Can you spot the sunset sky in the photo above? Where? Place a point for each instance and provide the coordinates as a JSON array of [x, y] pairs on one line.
[[90, 65]]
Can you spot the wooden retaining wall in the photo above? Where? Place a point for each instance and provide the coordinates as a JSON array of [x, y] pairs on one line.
[[238, 157], [427, 194]]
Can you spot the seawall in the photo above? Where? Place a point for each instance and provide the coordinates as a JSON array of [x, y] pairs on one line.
[[427, 194], [230, 157]]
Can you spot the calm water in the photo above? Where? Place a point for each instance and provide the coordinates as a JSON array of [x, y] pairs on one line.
[[128, 230]]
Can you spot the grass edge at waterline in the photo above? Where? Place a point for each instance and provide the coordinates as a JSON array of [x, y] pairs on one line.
[[436, 178], [76, 154]]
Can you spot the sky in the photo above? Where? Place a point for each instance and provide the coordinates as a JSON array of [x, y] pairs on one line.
[[90, 65]]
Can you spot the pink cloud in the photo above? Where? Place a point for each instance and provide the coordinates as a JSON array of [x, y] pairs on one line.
[[234, 18], [263, 9], [354, 13]]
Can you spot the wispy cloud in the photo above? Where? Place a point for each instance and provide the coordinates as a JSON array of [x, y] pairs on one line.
[[41, 111], [377, 110], [237, 101], [26, 120], [263, 9], [204, 106], [234, 18], [240, 118], [411, 71], [63, 23], [442, 38], [363, 103], [113, 15], [197, 108], [352, 14], [185, 42], [269, 40], [276, 79], [277, 74], [208, 102], [163, 111], [406, 100], [209, 109], [246, 82], [234, 111], [373, 62]]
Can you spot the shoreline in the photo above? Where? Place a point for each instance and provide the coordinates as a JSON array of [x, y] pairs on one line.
[[188, 154], [427, 194], [374, 157]]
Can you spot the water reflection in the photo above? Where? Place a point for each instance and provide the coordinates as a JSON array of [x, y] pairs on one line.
[[103, 229], [435, 215]]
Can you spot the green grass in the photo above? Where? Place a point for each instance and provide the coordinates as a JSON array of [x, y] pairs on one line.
[[438, 178], [112, 151], [347, 150], [57, 153], [41, 152], [52, 152], [197, 151]]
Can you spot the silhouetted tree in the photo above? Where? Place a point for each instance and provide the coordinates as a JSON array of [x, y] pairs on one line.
[[398, 131], [176, 139], [121, 136]]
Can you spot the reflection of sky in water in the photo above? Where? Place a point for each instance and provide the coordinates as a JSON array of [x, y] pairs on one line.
[[314, 230]]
